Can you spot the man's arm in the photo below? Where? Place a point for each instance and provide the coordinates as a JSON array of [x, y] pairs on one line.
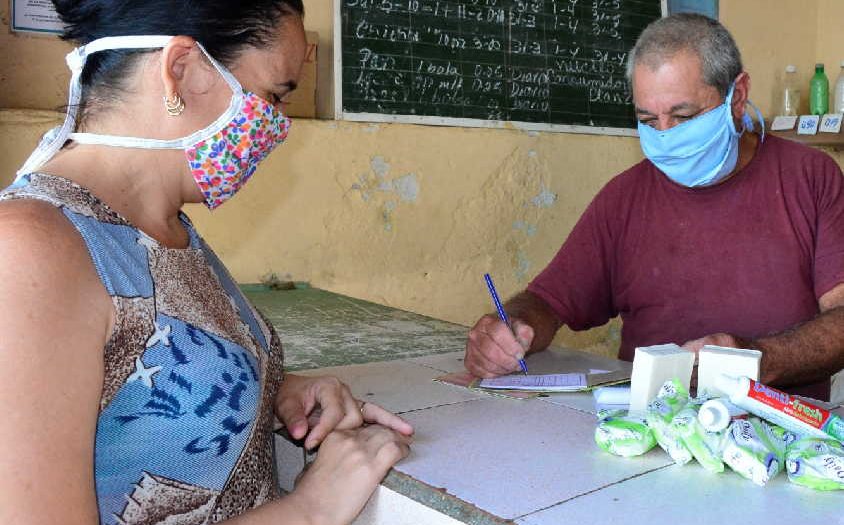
[[809, 352], [493, 350], [806, 353], [529, 308]]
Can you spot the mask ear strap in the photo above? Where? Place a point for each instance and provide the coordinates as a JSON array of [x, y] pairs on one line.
[[235, 104], [748, 122], [233, 83], [54, 139], [759, 117]]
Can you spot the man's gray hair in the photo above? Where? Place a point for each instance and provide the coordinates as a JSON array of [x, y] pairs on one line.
[[707, 38]]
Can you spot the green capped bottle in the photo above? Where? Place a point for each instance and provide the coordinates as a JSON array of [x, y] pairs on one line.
[[819, 92]]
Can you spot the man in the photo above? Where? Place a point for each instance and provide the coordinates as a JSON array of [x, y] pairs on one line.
[[721, 236]]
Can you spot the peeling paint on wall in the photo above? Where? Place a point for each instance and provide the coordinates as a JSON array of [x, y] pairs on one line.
[[407, 187], [523, 266], [380, 167], [378, 188], [527, 228], [545, 199], [387, 215]]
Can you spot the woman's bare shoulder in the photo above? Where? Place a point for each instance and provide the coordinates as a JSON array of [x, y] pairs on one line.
[[44, 260], [54, 322]]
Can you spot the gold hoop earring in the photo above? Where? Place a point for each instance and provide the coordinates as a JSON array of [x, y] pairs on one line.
[[174, 107]]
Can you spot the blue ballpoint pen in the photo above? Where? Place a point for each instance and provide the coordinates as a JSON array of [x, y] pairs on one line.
[[502, 314]]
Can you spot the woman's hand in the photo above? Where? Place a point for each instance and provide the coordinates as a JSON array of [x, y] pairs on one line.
[[347, 470], [313, 407]]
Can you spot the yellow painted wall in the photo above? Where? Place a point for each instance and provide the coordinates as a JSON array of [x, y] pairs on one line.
[[412, 216], [831, 38], [772, 34], [32, 70]]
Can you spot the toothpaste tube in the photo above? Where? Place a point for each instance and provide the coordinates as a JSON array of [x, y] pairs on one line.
[[704, 446], [816, 463], [755, 450], [672, 397], [785, 410], [623, 435]]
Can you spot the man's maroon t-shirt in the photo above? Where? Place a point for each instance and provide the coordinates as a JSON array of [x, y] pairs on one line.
[[749, 257]]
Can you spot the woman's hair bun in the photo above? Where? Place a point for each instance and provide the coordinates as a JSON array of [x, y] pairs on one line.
[[81, 18], [222, 26]]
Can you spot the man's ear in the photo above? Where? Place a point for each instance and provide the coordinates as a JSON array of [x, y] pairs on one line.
[[176, 59], [741, 94]]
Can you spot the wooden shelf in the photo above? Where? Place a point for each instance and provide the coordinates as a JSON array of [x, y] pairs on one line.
[[821, 140]]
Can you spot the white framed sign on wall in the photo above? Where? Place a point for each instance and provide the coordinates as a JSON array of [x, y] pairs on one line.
[[35, 16]]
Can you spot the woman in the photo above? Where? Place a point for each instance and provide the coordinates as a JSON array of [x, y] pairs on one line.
[[140, 386]]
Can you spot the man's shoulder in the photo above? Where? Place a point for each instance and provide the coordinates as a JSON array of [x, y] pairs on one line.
[[787, 151], [630, 179]]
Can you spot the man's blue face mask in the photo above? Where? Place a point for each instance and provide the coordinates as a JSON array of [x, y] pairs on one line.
[[701, 151]]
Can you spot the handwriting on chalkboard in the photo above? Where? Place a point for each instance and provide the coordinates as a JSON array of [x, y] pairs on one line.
[[541, 61]]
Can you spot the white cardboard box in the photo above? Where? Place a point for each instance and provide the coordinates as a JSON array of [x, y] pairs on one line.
[[715, 360], [652, 367]]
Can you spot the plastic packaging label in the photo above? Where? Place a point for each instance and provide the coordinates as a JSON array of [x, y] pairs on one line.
[[816, 463], [623, 435]]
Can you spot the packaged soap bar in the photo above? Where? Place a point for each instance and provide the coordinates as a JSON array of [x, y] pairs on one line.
[[623, 435], [705, 446], [816, 463], [672, 397], [755, 449]]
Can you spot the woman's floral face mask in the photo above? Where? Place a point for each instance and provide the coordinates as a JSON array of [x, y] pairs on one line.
[[222, 164]]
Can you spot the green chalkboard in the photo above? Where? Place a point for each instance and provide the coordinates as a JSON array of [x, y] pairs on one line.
[[532, 61]]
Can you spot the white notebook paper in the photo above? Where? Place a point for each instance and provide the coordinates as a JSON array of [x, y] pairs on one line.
[[544, 383]]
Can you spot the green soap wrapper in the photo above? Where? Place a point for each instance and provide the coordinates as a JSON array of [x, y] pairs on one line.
[[704, 446], [672, 397], [816, 463], [624, 435], [755, 449]]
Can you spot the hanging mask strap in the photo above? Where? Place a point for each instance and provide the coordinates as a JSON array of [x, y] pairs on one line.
[[54, 139], [748, 122]]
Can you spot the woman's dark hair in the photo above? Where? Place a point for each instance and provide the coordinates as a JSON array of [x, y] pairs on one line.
[[222, 26]]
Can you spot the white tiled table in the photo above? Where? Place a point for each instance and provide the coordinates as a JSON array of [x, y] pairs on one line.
[[489, 460]]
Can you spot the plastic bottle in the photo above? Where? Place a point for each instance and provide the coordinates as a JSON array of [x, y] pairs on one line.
[[838, 100], [790, 93], [780, 408], [819, 92], [717, 414]]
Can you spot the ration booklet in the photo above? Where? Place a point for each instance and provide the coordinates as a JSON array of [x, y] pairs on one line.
[[571, 382]]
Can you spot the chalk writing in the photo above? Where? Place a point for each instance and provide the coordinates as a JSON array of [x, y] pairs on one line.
[[553, 61]]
